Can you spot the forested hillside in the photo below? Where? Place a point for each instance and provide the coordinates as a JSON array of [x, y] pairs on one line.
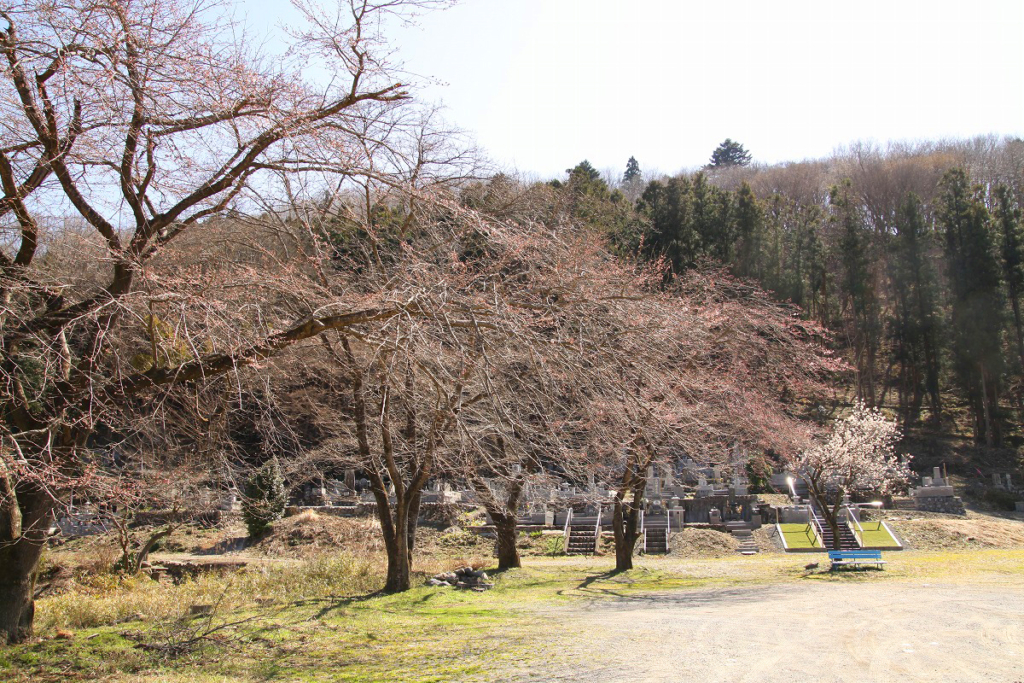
[[912, 255]]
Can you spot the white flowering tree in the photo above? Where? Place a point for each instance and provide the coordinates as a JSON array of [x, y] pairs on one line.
[[858, 454]]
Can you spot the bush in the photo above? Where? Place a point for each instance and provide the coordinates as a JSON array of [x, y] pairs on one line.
[[1000, 499], [264, 498]]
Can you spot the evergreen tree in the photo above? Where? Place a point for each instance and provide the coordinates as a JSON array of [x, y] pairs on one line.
[[860, 301], [632, 171], [584, 172], [669, 208], [976, 300], [729, 153], [914, 328], [749, 230], [711, 216], [1011, 233], [264, 498]]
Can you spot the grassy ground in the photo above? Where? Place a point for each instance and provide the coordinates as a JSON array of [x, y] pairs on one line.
[[799, 536], [320, 620], [875, 535]]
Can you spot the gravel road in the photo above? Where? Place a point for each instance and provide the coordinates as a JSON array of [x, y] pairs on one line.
[[848, 632]]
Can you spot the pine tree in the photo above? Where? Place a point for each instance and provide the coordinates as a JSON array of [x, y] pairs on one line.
[[976, 300], [264, 498], [729, 153]]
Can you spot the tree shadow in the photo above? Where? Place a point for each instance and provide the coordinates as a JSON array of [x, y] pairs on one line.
[[334, 604], [593, 578]]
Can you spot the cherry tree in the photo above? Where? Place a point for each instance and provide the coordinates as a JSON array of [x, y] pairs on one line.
[[857, 454], [129, 125]]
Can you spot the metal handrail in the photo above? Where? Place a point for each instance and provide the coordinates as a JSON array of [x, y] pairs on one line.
[[643, 531], [568, 523], [815, 525], [858, 530]]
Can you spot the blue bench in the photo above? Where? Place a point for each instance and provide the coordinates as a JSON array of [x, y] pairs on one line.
[[855, 558]]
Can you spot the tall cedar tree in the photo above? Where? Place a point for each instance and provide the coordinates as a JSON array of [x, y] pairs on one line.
[[860, 306], [749, 232], [632, 170], [1007, 217], [914, 327], [977, 301]]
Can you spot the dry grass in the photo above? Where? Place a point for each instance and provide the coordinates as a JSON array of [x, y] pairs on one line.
[[110, 599], [947, 532]]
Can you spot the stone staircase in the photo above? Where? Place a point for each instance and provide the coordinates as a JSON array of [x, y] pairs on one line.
[[582, 540], [847, 541], [745, 536], [655, 538]]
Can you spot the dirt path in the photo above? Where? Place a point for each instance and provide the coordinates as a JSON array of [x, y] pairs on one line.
[[859, 633]]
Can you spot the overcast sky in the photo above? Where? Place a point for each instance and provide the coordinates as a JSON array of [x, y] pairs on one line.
[[543, 84]]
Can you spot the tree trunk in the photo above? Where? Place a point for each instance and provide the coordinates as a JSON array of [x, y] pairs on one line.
[[399, 557], [394, 528], [508, 553], [986, 414], [413, 521], [834, 526], [21, 545], [624, 522], [1017, 325], [17, 609]]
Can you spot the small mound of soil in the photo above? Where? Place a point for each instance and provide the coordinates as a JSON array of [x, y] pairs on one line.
[[454, 540], [700, 542], [767, 539], [308, 534]]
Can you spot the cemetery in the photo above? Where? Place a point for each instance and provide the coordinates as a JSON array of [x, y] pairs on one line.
[[208, 573], [305, 376]]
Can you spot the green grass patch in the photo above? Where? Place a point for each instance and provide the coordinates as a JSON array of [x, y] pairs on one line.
[[875, 535], [799, 536]]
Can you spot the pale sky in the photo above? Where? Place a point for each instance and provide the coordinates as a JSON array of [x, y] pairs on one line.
[[543, 84]]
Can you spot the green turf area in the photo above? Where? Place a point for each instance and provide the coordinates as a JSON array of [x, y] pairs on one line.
[[799, 536], [877, 536]]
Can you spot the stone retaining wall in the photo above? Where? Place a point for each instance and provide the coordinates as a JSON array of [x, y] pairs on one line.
[[951, 505], [698, 509]]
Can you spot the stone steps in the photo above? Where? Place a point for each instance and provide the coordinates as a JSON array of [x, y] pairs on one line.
[[747, 544], [581, 541], [847, 541], [657, 540]]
